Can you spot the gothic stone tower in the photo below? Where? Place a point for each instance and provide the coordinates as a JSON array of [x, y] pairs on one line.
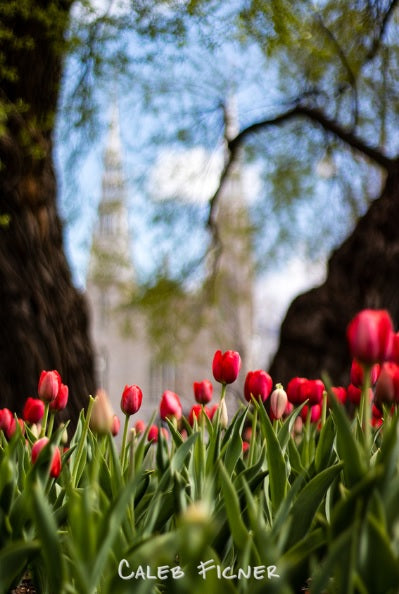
[[221, 311]]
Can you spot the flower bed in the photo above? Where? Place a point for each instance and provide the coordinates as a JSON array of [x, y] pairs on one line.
[[298, 491]]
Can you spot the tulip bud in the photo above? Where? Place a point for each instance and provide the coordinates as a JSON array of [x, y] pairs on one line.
[[131, 400], [170, 406], [61, 400], [203, 391], [370, 336], [13, 427], [115, 425], [55, 467], [6, 419], [224, 418], [139, 427], [102, 415], [278, 401], [49, 384], [354, 394], [33, 410], [339, 393], [226, 366], [258, 384], [395, 348]]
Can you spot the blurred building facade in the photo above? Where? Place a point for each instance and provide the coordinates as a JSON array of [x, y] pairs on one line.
[[176, 349]]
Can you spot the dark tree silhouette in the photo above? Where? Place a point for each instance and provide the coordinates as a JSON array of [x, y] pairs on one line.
[[43, 318]]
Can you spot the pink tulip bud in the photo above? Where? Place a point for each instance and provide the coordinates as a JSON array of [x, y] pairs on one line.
[[370, 336], [203, 391], [170, 406], [131, 400], [278, 402], [139, 427], [33, 410], [258, 384], [226, 366], [61, 400], [102, 415], [116, 424], [49, 384], [55, 467]]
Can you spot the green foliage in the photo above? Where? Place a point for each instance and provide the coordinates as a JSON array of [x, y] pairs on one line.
[[313, 507]]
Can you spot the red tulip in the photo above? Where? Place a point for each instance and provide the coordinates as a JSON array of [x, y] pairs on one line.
[[339, 393], [203, 391], [226, 366], [131, 400], [311, 390], [315, 412], [245, 447], [195, 413], [357, 373], [55, 467], [293, 389], [49, 384], [153, 433], [61, 400], [387, 387], [33, 410], [370, 336], [258, 384], [170, 406], [354, 394], [395, 348], [6, 420]]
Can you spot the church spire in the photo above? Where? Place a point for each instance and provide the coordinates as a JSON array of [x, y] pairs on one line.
[[110, 261]]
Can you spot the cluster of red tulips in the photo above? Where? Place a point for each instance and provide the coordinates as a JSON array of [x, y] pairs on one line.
[[373, 345]]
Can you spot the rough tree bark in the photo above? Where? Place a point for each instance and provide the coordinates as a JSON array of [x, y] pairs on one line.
[[362, 273], [43, 318]]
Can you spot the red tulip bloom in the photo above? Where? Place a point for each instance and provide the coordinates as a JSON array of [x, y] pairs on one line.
[[311, 390], [226, 366], [196, 411], [33, 410], [153, 433], [170, 406], [203, 391], [357, 373], [258, 384], [61, 400], [293, 390], [339, 393], [387, 387], [131, 400], [55, 467], [49, 384], [395, 348], [354, 394], [315, 412], [6, 420], [370, 336]]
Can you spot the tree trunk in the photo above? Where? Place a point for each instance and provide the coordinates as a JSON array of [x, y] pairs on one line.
[[43, 318], [362, 273]]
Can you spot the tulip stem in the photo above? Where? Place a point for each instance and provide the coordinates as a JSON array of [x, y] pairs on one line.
[[365, 407], [324, 409], [223, 392], [82, 440], [51, 424], [45, 417], [124, 438]]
